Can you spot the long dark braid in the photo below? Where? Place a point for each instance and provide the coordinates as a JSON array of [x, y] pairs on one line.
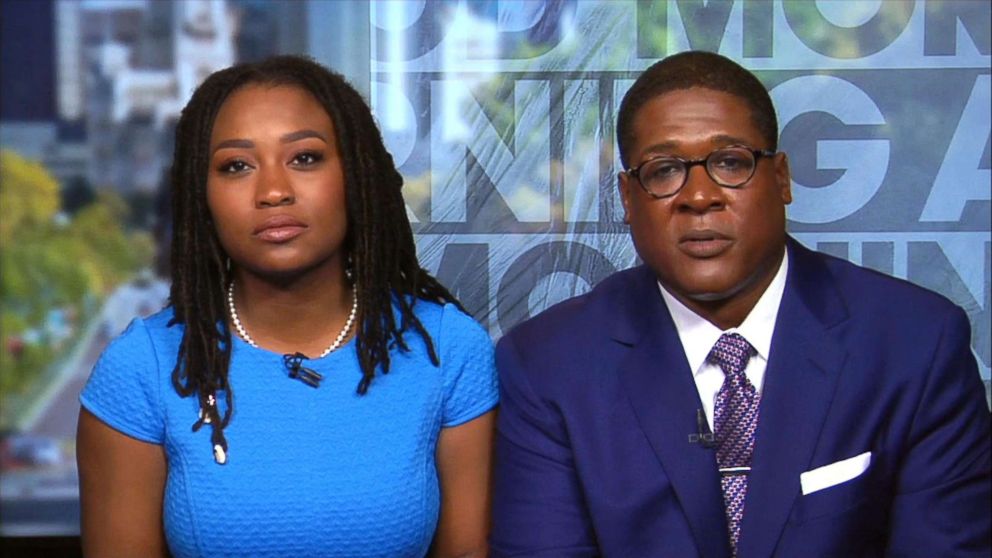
[[379, 240]]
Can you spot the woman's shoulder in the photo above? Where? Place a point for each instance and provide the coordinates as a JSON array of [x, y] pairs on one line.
[[158, 330], [465, 351], [137, 363], [447, 320]]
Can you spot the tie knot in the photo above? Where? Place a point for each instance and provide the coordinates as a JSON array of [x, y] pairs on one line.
[[731, 353]]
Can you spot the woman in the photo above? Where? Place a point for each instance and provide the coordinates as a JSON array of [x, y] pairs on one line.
[[230, 422]]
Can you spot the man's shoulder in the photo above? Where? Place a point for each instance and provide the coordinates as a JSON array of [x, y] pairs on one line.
[[590, 311], [876, 295], [569, 345]]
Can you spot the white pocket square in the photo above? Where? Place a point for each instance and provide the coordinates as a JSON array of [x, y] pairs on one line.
[[834, 473]]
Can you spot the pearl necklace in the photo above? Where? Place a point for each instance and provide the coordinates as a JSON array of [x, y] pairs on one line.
[[337, 342]]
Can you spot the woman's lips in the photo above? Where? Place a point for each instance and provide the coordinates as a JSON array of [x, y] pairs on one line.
[[280, 234], [704, 244], [279, 229]]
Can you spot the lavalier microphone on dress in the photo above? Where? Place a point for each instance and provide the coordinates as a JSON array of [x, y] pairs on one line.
[[294, 363]]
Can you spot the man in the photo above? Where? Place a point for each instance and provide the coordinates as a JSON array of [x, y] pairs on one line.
[[738, 394]]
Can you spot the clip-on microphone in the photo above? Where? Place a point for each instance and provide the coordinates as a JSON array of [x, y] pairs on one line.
[[294, 363], [703, 436]]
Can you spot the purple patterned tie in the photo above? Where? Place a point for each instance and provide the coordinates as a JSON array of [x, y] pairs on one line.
[[735, 416]]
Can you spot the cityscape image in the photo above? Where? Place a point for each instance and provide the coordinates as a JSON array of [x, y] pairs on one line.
[[500, 114]]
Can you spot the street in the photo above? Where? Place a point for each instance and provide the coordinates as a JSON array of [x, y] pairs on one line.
[[43, 500]]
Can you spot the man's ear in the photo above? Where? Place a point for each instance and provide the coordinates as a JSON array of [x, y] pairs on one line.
[[623, 184], [783, 178]]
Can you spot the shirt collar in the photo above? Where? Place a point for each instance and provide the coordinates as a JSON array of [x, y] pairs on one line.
[[699, 335]]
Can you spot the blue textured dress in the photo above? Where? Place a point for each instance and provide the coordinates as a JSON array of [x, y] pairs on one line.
[[310, 472]]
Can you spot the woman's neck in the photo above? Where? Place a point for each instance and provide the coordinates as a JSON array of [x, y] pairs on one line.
[[303, 315]]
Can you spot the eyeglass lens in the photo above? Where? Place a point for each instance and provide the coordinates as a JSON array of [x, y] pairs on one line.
[[728, 167]]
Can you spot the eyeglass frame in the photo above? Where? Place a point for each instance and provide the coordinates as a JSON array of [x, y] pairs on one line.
[[689, 163]]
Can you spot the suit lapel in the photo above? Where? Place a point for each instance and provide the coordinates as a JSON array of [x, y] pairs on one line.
[[664, 397], [804, 365]]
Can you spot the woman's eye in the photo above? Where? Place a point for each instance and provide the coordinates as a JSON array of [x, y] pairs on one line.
[[234, 167], [307, 158]]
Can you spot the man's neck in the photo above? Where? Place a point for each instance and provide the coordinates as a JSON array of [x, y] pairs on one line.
[[730, 310]]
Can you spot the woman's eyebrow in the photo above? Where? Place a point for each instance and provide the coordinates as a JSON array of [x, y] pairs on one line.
[[234, 144], [301, 134], [286, 138]]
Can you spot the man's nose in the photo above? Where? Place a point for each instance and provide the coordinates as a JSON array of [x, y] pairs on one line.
[[700, 193]]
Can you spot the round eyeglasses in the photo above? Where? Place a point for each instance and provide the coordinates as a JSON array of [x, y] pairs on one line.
[[730, 167]]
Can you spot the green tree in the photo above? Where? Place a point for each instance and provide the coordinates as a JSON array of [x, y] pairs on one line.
[[51, 262]]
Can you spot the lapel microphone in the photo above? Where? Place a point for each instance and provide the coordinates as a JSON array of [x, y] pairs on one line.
[[294, 363], [703, 436]]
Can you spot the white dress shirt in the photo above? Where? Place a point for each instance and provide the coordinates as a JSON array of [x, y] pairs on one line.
[[699, 335]]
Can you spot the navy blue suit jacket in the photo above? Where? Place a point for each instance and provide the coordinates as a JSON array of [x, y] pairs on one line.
[[597, 404]]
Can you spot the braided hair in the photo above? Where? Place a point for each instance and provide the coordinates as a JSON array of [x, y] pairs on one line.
[[379, 240]]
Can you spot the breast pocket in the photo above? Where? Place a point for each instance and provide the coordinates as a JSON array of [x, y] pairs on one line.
[[834, 500]]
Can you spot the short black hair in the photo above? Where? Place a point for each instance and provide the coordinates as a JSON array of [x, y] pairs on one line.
[[696, 68]]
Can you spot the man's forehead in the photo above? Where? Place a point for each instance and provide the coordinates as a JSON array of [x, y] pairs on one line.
[[715, 140], [705, 119]]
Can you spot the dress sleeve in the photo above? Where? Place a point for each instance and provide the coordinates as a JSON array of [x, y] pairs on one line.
[[124, 389], [466, 354]]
